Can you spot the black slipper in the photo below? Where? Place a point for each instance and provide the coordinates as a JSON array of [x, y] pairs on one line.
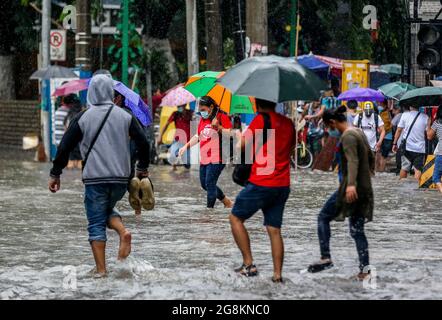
[[319, 267], [247, 271]]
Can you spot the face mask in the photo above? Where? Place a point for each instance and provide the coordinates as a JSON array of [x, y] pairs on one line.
[[334, 133], [180, 110], [205, 115], [380, 109]]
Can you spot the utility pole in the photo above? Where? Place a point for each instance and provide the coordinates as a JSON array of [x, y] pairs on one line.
[[192, 38], [257, 25], [83, 36], [214, 35], [125, 43], [45, 90]]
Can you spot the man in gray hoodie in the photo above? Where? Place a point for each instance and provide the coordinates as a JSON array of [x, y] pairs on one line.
[[107, 166]]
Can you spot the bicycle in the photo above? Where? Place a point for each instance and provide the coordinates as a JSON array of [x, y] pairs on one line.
[[304, 157]]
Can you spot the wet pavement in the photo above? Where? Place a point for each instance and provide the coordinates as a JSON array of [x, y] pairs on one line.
[[184, 251]]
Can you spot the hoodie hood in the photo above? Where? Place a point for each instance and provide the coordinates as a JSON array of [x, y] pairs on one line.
[[101, 91]]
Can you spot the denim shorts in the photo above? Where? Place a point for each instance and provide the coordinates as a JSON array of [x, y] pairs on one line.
[[270, 200], [387, 146], [100, 201]]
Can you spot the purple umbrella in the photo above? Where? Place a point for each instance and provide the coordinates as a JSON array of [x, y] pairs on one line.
[[361, 95], [134, 102]]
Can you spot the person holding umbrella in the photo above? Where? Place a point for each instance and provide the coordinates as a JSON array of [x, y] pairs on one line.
[[213, 125], [268, 187]]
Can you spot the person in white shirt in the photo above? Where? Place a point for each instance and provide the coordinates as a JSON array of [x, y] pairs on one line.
[[372, 125], [413, 125]]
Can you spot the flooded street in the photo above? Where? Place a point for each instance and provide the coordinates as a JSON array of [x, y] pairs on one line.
[[184, 251]]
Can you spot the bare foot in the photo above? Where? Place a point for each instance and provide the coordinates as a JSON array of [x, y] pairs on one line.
[[439, 187], [125, 245], [228, 203]]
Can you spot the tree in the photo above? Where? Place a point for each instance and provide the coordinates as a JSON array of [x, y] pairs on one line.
[[214, 35]]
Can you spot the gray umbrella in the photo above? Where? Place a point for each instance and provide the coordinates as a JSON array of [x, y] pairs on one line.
[[53, 72], [273, 78]]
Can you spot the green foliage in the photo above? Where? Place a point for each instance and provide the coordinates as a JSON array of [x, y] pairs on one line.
[[160, 72], [115, 51], [229, 53]]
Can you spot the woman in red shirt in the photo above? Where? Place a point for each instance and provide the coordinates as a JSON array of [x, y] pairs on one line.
[[213, 125]]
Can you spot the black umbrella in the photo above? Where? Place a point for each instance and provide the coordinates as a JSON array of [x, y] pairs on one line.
[[53, 72], [423, 97], [273, 78]]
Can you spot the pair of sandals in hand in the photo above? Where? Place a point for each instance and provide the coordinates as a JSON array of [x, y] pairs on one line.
[[141, 194]]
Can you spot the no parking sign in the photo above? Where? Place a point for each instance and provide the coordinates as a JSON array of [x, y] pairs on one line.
[[58, 45]]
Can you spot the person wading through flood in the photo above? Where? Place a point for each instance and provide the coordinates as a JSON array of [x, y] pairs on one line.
[[182, 119], [268, 187], [106, 164], [354, 198], [213, 125], [435, 131]]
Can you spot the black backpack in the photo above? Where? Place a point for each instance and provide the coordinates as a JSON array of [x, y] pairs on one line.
[[376, 123], [242, 171]]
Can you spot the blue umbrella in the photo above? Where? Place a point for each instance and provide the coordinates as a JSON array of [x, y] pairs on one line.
[[134, 102], [312, 63], [361, 95]]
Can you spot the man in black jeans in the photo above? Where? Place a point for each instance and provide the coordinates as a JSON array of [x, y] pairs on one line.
[[354, 199]]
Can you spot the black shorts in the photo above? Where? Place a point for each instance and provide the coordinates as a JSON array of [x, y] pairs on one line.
[[387, 146], [416, 159]]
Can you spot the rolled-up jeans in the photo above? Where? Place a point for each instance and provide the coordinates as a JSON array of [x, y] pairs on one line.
[[100, 201], [357, 222], [437, 174], [209, 175]]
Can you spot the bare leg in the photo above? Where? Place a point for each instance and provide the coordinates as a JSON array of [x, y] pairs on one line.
[[99, 251], [403, 174], [242, 239], [277, 251], [116, 224], [382, 164], [417, 174]]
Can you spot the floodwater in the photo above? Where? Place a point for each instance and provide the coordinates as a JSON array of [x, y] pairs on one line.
[[184, 251]]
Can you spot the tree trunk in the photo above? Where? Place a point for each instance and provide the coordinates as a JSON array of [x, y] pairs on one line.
[[239, 29], [257, 26], [7, 83], [214, 35]]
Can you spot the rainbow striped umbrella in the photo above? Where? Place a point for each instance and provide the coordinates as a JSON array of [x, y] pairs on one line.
[[204, 84]]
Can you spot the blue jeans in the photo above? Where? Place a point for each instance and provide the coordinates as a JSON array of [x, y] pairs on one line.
[[100, 201], [270, 200], [329, 213], [437, 175], [209, 175]]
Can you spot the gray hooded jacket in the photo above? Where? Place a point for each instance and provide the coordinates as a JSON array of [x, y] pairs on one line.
[[109, 160]]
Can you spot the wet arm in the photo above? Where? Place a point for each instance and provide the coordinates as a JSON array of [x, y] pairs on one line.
[[138, 136], [382, 134], [193, 142], [71, 139], [398, 135]]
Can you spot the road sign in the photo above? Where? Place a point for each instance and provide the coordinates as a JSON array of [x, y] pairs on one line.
[[58, 45]]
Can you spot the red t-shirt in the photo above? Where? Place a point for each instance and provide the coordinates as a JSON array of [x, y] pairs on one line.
[[182, 124], [272, 163], [210, 142]]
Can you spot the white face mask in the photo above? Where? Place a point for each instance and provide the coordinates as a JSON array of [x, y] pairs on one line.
[[205, 115]]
